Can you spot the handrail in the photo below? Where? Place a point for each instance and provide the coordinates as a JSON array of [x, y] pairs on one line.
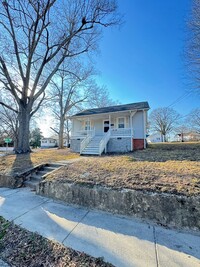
[[103, 142], [86, 140], [121, 132]]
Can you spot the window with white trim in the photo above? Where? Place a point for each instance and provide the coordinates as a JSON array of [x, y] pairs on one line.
[[87, 125], [121, 122]]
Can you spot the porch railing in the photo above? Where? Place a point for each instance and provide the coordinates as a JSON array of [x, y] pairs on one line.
[[82, 133], [103, 142], [86, 140], [121, 132]]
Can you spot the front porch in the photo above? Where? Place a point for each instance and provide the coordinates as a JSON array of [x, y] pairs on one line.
[[111, 129], [119, 124], [108, 133]]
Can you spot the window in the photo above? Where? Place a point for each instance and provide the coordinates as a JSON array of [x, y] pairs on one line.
[[87, 125], [121, 122]]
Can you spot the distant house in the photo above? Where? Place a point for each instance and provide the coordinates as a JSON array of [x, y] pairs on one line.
[[48, 142], [51, 142], [119, 128], [189, 136], [155, 138]]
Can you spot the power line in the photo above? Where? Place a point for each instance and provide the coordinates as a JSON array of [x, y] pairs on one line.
[[179, 99]]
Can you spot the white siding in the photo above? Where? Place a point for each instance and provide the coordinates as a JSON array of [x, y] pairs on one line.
[[77, 126], [98, 125], [138, 125]]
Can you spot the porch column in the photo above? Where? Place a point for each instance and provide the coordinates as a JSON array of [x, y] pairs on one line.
[[109, 121]]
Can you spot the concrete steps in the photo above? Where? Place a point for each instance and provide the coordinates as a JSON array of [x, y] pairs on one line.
[[38, 175]]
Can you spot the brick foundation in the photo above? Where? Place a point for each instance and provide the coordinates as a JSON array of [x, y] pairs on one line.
[[138, 144]]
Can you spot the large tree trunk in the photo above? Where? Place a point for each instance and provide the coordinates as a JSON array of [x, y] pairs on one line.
[[22, 144], [61, 133]]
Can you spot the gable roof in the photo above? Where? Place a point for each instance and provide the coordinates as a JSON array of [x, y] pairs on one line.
[[127, 107]]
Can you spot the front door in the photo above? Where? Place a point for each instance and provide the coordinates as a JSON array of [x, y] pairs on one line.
[[106, 126]]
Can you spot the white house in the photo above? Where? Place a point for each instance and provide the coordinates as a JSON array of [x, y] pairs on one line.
[[119, 128], [48, 142], [188, 136], [155, 138]]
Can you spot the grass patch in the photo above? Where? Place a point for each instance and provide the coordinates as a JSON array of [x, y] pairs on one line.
[[169, 168], [21, 248]]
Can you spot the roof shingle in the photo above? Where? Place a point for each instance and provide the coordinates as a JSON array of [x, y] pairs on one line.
[[127, 107]]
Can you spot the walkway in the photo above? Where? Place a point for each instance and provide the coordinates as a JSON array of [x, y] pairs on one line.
[[123, 241]]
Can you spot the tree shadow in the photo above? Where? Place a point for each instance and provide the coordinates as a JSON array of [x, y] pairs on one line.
[[22, 163]]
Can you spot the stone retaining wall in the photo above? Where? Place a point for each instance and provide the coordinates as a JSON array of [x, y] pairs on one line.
[[15, 180], [166, 209]]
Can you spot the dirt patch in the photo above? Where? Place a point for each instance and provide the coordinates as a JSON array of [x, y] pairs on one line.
[[169, 168], [13, 164], [22, 248]]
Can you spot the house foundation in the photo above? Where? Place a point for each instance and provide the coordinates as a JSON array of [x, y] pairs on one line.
[[138, 144]]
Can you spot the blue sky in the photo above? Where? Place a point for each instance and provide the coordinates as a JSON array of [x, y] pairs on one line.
[[143, 60]]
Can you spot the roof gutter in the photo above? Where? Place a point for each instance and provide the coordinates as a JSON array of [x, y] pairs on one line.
[[107, 113]]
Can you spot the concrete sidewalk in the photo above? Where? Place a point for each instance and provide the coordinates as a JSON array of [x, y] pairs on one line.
[[123, 241]]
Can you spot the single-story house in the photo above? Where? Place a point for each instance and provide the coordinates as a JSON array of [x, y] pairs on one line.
[[188, 136], [50, 142], [120, 128], [155, 138]]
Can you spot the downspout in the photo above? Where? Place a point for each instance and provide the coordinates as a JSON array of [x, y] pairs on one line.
[[131, 124], [72, 132], [144, 125]]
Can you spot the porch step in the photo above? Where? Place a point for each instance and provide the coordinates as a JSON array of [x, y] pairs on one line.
[[36, 177], [93, 146], [48, 169]]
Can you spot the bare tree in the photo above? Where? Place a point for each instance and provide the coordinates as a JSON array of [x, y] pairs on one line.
[[193, 45], [194, 119], [99, 97], [9, 121], [36, 37], [164, 120], [69, 88]]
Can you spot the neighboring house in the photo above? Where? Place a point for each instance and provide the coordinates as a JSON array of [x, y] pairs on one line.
[[52, 142], [48, 142], [119, 128], [155, 138], [186, 137]]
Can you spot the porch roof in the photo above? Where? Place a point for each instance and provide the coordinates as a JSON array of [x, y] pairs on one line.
[[112, 109]]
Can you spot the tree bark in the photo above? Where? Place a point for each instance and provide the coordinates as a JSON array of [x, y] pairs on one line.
[[61, 133], [22, 144]]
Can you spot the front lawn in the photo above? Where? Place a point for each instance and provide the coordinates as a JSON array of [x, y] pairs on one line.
[[20, 163], [170, 168]]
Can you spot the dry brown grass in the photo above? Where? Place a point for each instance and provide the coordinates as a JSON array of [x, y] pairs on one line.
[[172, 168], [22, 162]]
